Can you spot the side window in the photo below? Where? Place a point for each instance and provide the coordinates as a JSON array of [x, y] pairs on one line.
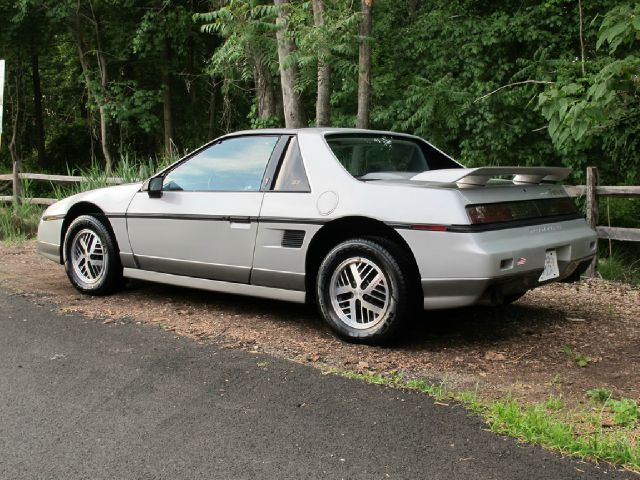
[[235, 164], [291, 176]]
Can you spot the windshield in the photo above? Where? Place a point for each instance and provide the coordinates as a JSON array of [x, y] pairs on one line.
[[376, 157]]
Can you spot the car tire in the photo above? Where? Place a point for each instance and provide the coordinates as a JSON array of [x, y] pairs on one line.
[[91, 257], [513, 297], [364, 290]]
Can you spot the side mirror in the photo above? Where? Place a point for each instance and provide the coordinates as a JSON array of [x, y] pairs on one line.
[[154, 187]]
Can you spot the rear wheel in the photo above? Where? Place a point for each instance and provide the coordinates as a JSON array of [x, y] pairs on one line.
[[91, 257], [363, 290]]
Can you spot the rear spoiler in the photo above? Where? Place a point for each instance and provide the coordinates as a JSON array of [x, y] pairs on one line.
[[479, 177]]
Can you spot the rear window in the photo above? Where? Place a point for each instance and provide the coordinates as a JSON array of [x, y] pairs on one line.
[[374, 156]]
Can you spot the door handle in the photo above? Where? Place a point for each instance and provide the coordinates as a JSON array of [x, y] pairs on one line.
[[240, 223]]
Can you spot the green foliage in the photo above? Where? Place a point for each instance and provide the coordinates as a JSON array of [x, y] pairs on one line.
[[248, 50], [579, 358], [19, 222], [601, 110], [490, 83], [625, 412], [599, 394], [621, 267]]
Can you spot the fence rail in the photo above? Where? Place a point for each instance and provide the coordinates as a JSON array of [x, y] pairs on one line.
[[591, 191], [55, 178]]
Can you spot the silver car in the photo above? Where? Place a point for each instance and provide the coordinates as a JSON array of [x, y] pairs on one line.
[[369, 225]]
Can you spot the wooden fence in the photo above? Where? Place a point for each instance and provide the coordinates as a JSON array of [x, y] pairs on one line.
[[16, 176], [591, 191]]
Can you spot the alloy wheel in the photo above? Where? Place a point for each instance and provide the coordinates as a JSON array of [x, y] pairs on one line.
[[88, 256], [360, 293]]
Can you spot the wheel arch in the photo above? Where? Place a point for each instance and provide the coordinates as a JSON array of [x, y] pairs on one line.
[[339, 230], [77, 210]]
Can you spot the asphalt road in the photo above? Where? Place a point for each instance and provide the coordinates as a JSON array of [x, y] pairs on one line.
[[80, 399]]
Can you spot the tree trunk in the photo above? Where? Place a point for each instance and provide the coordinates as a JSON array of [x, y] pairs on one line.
[[166, 98], [364, 65], [324, 71], [37, 106], [212, 112], [264, 90], [104, 81], [293, 114], [13, 95], [97, 98], [104, 126]]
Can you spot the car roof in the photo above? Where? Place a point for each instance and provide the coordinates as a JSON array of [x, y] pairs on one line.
[[311, 130]]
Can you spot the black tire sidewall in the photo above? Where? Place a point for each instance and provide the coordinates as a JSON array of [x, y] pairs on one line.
[[113, 268], [376, 252]]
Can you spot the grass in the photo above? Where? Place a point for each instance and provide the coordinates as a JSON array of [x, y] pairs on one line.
[[605, 429], [623, 268], [19, 222]]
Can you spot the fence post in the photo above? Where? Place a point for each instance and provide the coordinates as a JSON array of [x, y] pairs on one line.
[[17, 185], [592, 212]]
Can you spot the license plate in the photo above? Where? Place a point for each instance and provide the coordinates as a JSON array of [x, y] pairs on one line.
[[550, 266]]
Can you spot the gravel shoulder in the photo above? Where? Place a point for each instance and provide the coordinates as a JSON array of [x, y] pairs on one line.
[[515, 350]]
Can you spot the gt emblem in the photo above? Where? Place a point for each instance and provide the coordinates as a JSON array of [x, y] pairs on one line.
[[521, 261]]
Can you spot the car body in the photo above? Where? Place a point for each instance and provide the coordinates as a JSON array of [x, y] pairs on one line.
[[348, 218]]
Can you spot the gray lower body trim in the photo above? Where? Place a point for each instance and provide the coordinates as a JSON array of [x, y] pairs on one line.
[[216, 286], [49, 250], [127, 260], [441, 293], [277, 279], [191, 268]]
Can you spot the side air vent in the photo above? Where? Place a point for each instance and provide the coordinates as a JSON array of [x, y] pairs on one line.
[[293, 238]]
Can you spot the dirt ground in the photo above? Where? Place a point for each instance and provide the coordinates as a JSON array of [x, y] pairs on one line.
[[517, 349]]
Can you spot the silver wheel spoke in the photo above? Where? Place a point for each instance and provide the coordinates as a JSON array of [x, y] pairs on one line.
[[356, 274], [360, 293], [344, 289], [352, 307], [88, 258], [371, 307], [377, 280]]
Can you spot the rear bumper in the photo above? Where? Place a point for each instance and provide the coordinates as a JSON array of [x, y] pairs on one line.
[[461, 269], [460, 292]]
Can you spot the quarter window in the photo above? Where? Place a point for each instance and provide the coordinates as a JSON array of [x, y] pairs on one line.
[[292, 177], [235, 164]]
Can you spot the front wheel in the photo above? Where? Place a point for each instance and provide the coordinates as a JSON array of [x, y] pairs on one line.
[[91, 257], [363, 290]]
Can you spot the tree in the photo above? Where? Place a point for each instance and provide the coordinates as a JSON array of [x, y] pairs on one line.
[[323, 97], [602, 108], [292, 102], [248, 50], [85, 27], [364, 65]]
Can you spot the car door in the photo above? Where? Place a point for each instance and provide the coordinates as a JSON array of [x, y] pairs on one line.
[[204, 223]]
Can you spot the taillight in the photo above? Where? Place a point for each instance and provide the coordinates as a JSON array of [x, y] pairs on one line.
[[520, 210]]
